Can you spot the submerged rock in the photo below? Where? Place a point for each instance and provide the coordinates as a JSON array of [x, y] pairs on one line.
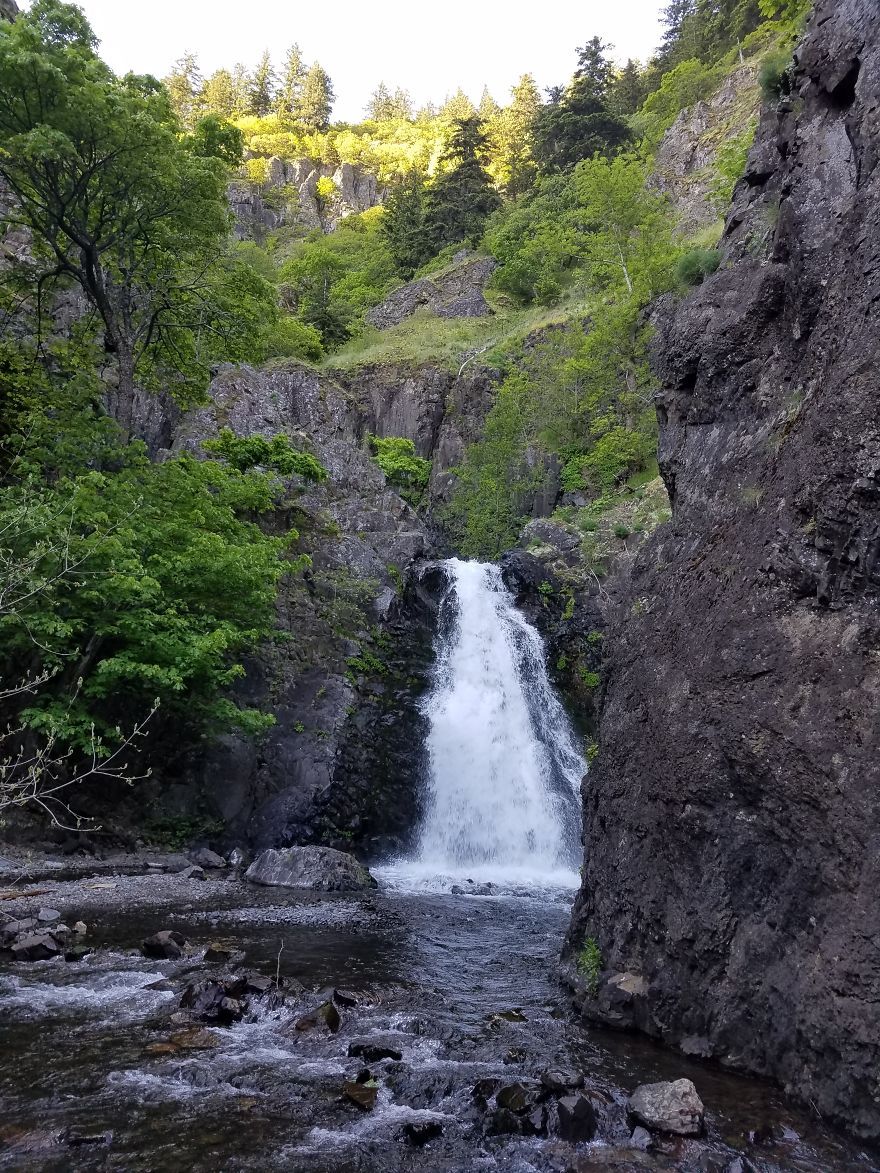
[[319, 869], [668, 1107]]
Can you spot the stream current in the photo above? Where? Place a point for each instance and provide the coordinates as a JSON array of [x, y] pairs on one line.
[[97, 1073]]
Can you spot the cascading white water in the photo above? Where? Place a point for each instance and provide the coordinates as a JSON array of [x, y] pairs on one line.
[[504, 766]]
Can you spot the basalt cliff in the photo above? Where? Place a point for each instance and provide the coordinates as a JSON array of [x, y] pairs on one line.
[[732, 851]]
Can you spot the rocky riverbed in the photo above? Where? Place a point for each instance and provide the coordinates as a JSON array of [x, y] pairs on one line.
[[390, 1030]]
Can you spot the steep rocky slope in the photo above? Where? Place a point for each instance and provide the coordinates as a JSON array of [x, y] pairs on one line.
[[732, 854], [354, 646]]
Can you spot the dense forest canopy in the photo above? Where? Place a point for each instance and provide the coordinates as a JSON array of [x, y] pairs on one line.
[[131, 589]]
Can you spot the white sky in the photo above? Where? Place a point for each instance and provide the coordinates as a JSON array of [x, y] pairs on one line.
[[427, 48]]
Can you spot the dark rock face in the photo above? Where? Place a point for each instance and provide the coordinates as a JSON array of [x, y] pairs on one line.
[[732, 856], [9, 10], [338, 767]]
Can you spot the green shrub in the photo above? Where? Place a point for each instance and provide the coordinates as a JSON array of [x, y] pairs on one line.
[[774, 75], [698, 264], [589, 964], [275, 453], [396, 456]]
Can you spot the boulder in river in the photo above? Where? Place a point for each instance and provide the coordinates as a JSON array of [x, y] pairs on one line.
[[668, 1107], [203, 857], [165, 944], [373, 1052], [560, 1082], [363, 1094], [36, 947], [319, 869], [419, 1132], [577, 1119]]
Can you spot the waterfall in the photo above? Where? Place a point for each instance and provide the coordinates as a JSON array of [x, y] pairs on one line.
[[503, 791]]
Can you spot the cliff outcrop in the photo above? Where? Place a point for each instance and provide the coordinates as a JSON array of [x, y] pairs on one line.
[[732, 856]]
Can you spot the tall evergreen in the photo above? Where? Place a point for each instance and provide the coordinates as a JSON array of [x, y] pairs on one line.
[[403, 224], [581, 123], [384, 106], [514, 137], [628, 90], [458, 107], [219, 95], [462, 197], [316, 102], [184, 86], [262, 87], [292, 80]]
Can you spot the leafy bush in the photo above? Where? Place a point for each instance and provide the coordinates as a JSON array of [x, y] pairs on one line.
[[698, 264], [276, 453], [774, 75], [687, 83], [396, 456], [589, 964]]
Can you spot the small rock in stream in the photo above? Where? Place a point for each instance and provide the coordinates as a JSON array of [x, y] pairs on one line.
[[193, 873], [373, 1053], [37, 947], [166, 944], [577, 1119], [46, 916], [77, 952], [325, 1015], [418, 1133], [203, 857], [362, 1094], [668, 1107], [519, 1097], [562, 1081]]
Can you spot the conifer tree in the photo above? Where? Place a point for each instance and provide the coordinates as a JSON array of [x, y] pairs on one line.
[[458, 107], [241, 84], [219, 95], [581, 123], [403, 223], [262, 88], [292, 80], [316, 103], [184, 86], [513, 138], [628, 90], [462, 197], [488, 109]]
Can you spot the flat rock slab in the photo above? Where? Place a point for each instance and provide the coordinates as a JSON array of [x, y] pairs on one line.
[[316, 869]]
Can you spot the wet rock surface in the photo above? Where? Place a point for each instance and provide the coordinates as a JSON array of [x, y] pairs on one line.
[[731, 855], [120, 1061], [668, 1107], [320, 869]]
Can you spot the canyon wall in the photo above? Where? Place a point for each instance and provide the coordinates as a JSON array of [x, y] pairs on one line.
[[732, 847]]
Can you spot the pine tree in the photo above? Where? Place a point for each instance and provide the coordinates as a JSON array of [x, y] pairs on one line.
[[379, 107], [514, 138], [219, 95], [316, 103], [628, 90], [184, 86], [488, 109], [262, 88], [581, 123], [458, 107], [292, 81], [462, 197], [403, 224], [678, 43], [241, 84]]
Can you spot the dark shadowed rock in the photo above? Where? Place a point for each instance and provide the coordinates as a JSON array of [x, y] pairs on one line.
[[731, 816], [668, 1107], [373, 1053], [203, 857], [562, 1081], [577, 1119], [326, 1016], [318, 869], [36, 947], [420, 1132], [165, 944], [519, 1097]]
